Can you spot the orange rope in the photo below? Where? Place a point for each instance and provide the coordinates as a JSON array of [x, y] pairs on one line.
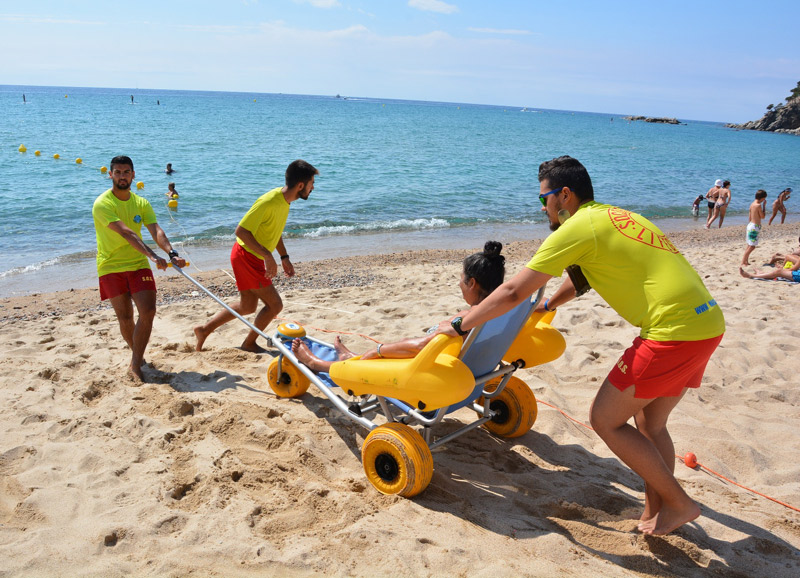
[[699, 465], [709, 470]]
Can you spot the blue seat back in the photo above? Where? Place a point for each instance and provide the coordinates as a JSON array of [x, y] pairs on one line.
[[494, 338]]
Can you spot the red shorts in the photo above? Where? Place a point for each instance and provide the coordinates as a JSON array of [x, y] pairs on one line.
[[114, 284], [249, 270], [662, 368]]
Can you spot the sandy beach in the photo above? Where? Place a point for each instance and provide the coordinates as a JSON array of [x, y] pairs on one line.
[[203, 471]]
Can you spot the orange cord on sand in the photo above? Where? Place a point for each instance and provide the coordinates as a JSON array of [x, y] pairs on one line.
[[690, 460]]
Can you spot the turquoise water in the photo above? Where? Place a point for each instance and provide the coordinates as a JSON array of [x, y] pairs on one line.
[[392, 172]]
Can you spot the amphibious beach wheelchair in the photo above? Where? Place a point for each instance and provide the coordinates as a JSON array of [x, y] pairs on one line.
[[447, 375]]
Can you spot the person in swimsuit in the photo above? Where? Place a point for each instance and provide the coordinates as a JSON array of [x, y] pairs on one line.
[[792, 274], [711, 197], [721, 205], [778, 206], [757, 213]]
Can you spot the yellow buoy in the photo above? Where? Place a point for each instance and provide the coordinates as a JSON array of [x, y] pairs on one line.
[[78, 161], [37, 153], [66, 96], [140, 185], [22, 148], [254, 100], [172, 204], [103, 170], [56, 156]]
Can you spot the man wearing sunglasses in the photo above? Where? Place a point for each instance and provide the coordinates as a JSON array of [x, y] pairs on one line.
[[641, 275]]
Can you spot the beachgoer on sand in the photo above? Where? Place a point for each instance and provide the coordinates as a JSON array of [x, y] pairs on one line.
[[696, 205], [711, 198], [721, 205], [778, 204], [124, 275], [481, 274], [258, 234], [792, 273], [681, 325], [757, 213], [792, 256]]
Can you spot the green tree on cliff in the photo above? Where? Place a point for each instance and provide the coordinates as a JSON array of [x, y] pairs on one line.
[[795, 92]]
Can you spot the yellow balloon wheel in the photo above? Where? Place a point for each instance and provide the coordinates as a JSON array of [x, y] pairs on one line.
[[515, 406], [290, 383], [397, 460]]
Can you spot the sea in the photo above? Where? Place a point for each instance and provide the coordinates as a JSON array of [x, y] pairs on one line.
[[394, 174]]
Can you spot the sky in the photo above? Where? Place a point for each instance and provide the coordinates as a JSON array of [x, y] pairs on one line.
[[694, 60]]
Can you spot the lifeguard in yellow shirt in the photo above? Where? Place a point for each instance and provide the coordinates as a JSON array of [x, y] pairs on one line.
[[258, 234], [634, 267], [124, 273]]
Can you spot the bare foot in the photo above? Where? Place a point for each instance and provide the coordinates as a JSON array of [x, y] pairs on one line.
[[253, 347], [135, 373], [301, 351], [668, 520], [652, 505], [744, 273], [304, 356], [341, 349], [201, 335]]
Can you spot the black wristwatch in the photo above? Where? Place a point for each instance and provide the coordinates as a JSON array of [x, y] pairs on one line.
[[456, 324], [172, 254]]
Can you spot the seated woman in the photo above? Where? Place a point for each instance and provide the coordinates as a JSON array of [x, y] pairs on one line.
[[483, 273], [792, 274]]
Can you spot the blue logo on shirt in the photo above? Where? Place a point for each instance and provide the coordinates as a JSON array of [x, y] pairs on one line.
[[705, 307], [137, 219]]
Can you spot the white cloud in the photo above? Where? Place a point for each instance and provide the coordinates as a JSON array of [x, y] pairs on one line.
[[433, 6], [320, 3], [25, 19], [505, 31]]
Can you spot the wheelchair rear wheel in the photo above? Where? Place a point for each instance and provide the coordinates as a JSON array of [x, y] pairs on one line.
[[397, 460], [515, 406]]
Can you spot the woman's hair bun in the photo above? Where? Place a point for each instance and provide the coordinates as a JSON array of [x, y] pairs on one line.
[[492, 248]]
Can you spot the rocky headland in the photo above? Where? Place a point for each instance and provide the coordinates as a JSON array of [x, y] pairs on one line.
[[783, 119]]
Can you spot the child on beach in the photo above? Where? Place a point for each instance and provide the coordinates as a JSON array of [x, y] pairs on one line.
[[757, 213], [696, 205]]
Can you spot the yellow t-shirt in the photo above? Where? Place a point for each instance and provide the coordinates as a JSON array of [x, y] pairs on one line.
[[266, 220], [114, 253], [636, 269]]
